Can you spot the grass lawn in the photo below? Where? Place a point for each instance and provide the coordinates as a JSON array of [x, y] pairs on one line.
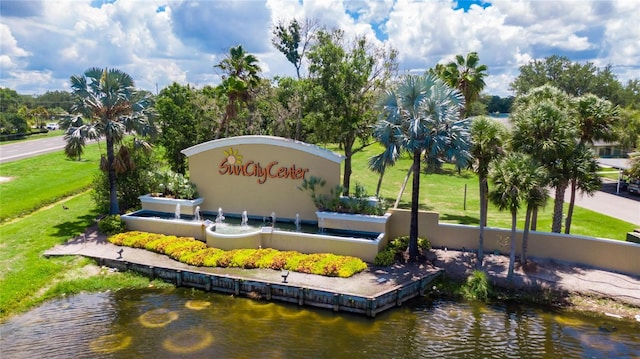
[[44, 179], [445, 193], [36, 136], [27, 278]]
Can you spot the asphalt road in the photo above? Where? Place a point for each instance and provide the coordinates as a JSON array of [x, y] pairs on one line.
[[25, 149], [621, 205]]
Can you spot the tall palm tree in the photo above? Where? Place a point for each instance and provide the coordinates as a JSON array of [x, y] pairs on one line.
[[425, 111], [584, 178], [542, 127], [512, 178], [239, 80], [595, 119], [107, 100], [536, 197], [467, 75], [487, 137]]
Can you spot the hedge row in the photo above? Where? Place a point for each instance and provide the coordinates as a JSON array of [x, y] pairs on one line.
[[196, 253]]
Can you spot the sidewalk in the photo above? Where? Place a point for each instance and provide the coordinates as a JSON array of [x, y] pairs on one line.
[[544, 275]]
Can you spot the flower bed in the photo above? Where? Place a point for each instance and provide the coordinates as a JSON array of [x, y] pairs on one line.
[[193, 252]]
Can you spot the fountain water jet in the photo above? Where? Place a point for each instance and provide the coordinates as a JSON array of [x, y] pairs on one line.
[[220, 217], [245, 219], [273, 219], [297, 222], [196, 214], [177, 212]]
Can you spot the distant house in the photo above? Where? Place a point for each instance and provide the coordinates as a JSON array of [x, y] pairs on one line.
[[609, 150]]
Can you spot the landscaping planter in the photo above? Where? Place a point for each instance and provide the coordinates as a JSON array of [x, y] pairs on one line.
[[354, 222], [169, 205]]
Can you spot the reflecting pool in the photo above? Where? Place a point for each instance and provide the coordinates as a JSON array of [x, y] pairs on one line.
[[188, 323]]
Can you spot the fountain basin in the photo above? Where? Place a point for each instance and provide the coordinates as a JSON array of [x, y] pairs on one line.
[[228, 236]]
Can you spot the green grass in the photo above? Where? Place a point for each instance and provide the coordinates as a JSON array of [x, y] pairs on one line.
[[27, 278], [36, 136], [38, 181], [445, 193]]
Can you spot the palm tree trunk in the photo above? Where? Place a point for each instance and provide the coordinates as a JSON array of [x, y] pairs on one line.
[[113, 187], [558, 205], [572, 201], [534, 220], [380, 182], [415, 198], [486, 201], [512, 250], [525, 236], [483, 220], [404, 185]]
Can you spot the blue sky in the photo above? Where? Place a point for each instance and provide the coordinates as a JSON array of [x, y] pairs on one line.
[[43, 43]]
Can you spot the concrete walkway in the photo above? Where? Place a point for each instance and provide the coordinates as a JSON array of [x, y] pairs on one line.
[[544, 274]]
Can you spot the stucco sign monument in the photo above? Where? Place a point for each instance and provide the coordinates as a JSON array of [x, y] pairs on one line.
[[260, 175]]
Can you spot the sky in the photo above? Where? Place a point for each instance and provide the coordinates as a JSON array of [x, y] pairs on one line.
[[158, 42]]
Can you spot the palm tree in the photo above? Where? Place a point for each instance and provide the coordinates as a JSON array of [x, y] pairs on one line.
[[595, 118], [106, 98], [584, 178], [487, 138], [536, 197], [240, 78], [465, 74], [76, 135], [425, 111], [542, 127], [512, 178], [388, 134]]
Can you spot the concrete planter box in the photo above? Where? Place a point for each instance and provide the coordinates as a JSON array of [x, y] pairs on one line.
[[168, 205], [354, 222]]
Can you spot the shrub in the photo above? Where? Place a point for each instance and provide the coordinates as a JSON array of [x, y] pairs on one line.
[[111, 225], [385, 258], [359, 203], [477, 286], [193, 252], [170, 184]]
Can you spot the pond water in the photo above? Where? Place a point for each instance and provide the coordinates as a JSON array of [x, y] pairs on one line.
[[188, 323]]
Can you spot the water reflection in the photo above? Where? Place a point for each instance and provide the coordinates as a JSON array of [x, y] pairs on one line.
[[192, 324]]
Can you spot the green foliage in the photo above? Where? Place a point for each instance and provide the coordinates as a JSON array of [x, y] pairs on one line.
[[111, 224], [359, 203], [398, 245], [131, 184], [385, 258], [477, 286], [191, 251], [167, 183]]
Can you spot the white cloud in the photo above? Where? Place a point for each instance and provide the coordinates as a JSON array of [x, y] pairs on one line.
[[159, 41]]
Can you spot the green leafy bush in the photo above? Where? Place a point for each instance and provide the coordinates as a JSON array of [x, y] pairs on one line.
[[111, 225], [477, 286], [193, 252], [398, 245], [167, 183], [385, 257], [359, 203]]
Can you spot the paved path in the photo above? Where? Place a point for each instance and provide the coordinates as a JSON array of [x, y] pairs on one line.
[[545, 275]]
